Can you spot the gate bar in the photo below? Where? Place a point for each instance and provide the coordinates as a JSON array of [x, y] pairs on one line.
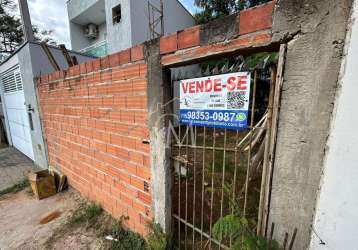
[[179, 194], [250, 143], [200, 231], [212, 187], [223, 180], [202, 191], [194, 163]]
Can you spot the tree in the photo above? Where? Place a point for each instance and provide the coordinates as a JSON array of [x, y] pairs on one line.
[[11, 33], [213, 9], [10, 28]]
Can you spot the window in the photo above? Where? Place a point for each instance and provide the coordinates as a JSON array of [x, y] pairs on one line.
[[116, 14], [11, 80]]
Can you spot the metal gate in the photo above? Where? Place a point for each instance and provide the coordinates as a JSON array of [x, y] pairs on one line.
[[219, 182]]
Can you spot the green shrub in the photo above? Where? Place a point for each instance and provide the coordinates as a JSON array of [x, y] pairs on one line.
[[157, 239], [236, 228], [125, 239]]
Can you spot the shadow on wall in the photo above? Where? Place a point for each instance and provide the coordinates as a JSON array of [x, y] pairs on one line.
[[3, 139]]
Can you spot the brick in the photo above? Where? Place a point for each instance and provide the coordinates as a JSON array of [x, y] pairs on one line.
[[127, 200], [137, 183], [144, 173], [99, 146], [168, 44], [140, 207], [83, 69], [122, 153], [119, 101], [145, 198], [142, 147], [130, 168], [127, 116], [139, 86], [125, 56], [96, 64], [189, 37], [257, 18], [242, 42], [136, 102], [136, 157], [133, 215], [137, 53], [143, 70], [262, 38], [89, 66], [127, 142], [104, 62], [114, 60], [44, 79]]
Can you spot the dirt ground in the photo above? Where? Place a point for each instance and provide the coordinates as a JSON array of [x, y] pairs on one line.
[[27, 223]]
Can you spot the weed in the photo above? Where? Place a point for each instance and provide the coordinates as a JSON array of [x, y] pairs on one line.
[[125, 239], [157, 239], [236, 229], [92, 218], [16, 188], [86, 214]]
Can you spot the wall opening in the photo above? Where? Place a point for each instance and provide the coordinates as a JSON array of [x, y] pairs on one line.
[[217, 171], [116, 14]]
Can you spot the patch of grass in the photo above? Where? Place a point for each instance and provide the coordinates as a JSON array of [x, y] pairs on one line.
[[91, 218], [124, 239], [86, 214], [87, 217], [157, 239], [16, 188]]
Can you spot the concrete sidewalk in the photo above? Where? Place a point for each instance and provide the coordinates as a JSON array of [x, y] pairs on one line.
[[14, 167]]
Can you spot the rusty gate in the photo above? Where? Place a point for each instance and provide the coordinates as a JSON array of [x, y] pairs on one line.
[[221, 176]]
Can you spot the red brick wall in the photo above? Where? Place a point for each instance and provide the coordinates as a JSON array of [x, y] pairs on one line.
[[253, 29], [94, 116]]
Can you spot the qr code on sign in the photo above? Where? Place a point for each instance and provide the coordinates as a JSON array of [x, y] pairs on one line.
[[236, 100]]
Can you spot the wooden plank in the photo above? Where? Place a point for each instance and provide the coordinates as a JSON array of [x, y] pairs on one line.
[[66, 55], [274, 128], [265, 167], [74, 59], [50, 56]]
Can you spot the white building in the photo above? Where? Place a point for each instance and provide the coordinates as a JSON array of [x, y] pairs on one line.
[[101, 27], [336, 219], [20, 112]]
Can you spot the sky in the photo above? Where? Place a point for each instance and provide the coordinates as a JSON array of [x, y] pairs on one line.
[[52, 15]]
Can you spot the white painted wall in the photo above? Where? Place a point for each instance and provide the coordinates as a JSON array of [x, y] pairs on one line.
[[336, 217], [33, 63], [11, 62], [134, 26], [78, 39], [176, 17], [76, 7], [119, 34]]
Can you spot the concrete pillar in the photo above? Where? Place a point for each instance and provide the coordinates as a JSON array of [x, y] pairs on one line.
[[158, 93], [315, 31]]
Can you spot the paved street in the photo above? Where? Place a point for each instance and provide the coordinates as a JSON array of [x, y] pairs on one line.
[[14, 166]]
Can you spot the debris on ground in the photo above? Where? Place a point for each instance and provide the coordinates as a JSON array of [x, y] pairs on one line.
[[16, 187], [43, 184], [63, 221], [50, 217]]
